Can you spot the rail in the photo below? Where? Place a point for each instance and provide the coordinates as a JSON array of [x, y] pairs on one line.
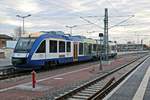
[[106, 90], [11, 73], [86, 90]]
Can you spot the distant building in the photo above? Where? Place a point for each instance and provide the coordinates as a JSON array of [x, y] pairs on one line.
[[3, 39], [131, 47], [3, 42]]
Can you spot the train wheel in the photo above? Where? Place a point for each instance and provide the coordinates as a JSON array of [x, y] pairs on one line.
[[50, 65], [46, 66]]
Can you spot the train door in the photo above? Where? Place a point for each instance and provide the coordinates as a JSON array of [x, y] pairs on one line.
[[47, 56], [75, 52]]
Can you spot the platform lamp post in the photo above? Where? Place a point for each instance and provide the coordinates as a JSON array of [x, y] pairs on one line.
[[100, 51], [70, 27], [23, 19]]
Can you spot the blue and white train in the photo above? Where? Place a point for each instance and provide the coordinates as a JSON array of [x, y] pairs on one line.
[[54, 47]]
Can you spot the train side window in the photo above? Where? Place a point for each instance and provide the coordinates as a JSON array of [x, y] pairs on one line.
[[113, 47], [42, 48], [61, 46], [80, 48], [68, 47], [90, 48], [53, 46], [85, 49], [94, 47]]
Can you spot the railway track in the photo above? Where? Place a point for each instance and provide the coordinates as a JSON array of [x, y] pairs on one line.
[[101, 86], [11, 72]]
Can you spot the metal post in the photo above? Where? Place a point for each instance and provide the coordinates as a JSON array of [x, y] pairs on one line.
[[23, 20], [106, 34], [142, 44], [23, 26], [71, 30], [100, 51]]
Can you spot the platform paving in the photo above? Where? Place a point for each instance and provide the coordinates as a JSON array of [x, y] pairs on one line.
[[147, 92], [133, 86], [52, 81]]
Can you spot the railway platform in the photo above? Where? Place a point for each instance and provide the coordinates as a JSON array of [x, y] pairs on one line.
[[56, 81], [135, 87], [5, 62]]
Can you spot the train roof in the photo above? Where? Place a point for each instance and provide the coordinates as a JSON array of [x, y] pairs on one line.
[[63, 36], [54, 34], [89, 40], [77, 38]]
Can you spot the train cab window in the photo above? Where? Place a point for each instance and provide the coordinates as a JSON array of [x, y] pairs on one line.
[[42, 47], [53, 46], [80, 48], [61, 46], [68, 47]]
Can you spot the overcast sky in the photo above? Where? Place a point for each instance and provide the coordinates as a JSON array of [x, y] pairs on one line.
[[56, 14]]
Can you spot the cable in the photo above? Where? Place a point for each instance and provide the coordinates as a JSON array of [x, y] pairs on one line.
[[91, 23], [93, 31], [121, 22], [80, 25]]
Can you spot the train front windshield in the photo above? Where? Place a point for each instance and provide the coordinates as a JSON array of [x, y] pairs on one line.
[[24, 45]]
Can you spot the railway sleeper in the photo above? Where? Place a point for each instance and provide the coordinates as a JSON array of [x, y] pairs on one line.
[[80, 97], [93, 88], [75, 99], [84, 94], [88, 89], [97, 86], [88, 92]]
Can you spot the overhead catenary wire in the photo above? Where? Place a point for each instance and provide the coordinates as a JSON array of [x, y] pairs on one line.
[[92, 31], [91, 23], [118, 24], [95, 16], [121, 22]]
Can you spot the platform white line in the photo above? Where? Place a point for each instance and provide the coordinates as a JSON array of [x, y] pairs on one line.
[[142, 88], [114, 90], [40, 80]]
